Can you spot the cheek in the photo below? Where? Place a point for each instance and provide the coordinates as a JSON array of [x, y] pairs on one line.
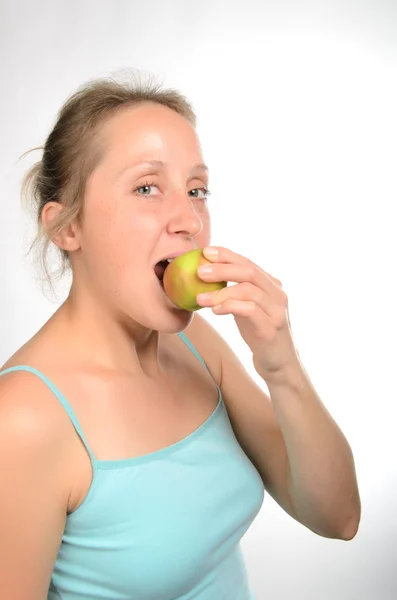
[[109, 240], [104, 235], [118, 241]]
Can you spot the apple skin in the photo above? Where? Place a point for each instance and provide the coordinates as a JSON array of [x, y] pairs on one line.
[[181, 282]]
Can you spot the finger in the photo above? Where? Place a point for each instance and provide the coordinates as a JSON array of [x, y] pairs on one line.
[[223, 255], [250, 293], [262, 324], [240, 273]]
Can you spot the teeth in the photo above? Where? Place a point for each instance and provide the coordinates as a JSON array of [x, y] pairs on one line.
[[169, 259]]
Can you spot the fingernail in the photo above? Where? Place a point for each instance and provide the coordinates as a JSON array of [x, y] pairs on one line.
[[204, 269], [203, 297], [210, 251]]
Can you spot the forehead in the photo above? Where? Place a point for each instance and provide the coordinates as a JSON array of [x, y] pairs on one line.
[[150, 127]]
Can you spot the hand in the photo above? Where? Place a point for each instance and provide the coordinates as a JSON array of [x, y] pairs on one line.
[[259, 307]]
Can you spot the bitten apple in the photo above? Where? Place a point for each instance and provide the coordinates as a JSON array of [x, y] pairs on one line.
[[182, 283]]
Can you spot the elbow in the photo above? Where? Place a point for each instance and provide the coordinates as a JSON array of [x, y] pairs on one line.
[[353, 523], [344, 528], [350, 530], [349, 523], [345, 532]]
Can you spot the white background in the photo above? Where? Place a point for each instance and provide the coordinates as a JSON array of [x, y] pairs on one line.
[[297, 109]]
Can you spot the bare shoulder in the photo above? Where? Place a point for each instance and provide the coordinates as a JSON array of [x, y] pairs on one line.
[[31, 417], [27, 404], [34, 495]]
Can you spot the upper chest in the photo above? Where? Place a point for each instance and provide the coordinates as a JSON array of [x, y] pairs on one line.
[[126, 417], [123, 416]]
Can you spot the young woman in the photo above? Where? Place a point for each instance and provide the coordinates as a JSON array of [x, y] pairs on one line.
[[134, 447]]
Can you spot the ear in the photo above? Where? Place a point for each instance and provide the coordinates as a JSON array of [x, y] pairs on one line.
[[68, 237]]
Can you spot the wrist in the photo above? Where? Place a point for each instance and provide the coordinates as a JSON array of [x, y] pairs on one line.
[[292, 375]]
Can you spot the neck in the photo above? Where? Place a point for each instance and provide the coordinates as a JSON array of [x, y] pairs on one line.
[[93, 335]]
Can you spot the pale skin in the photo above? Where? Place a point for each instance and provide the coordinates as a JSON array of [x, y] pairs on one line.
[[112, 348]]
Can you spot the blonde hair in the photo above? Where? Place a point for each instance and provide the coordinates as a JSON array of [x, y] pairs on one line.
[[70, 156]]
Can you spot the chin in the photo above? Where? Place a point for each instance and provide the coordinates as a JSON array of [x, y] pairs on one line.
[[175, 322], [161, 314]]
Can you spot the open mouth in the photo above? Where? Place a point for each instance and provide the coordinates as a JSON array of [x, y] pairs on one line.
[[160, 268]]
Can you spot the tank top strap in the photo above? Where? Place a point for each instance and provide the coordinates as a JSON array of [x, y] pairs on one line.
[[193, 349], [60, 397]]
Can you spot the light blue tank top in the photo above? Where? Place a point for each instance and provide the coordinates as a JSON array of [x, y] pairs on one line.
[[163, 526]]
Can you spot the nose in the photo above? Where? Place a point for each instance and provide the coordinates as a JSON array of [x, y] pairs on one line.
[[184, 217]]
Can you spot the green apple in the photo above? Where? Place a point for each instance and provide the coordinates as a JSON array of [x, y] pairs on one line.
[[181, 282]]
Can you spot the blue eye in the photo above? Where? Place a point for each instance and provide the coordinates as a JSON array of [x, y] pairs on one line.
[[194, 193], [203, 190], [146, 186]]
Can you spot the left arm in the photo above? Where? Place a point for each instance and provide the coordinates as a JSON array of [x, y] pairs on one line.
[[320, 478], [303, 457]]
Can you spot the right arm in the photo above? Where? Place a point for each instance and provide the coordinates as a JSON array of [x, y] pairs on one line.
[[33, 496]]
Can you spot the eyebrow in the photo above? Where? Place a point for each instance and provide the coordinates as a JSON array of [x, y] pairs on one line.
[[159, 164]]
